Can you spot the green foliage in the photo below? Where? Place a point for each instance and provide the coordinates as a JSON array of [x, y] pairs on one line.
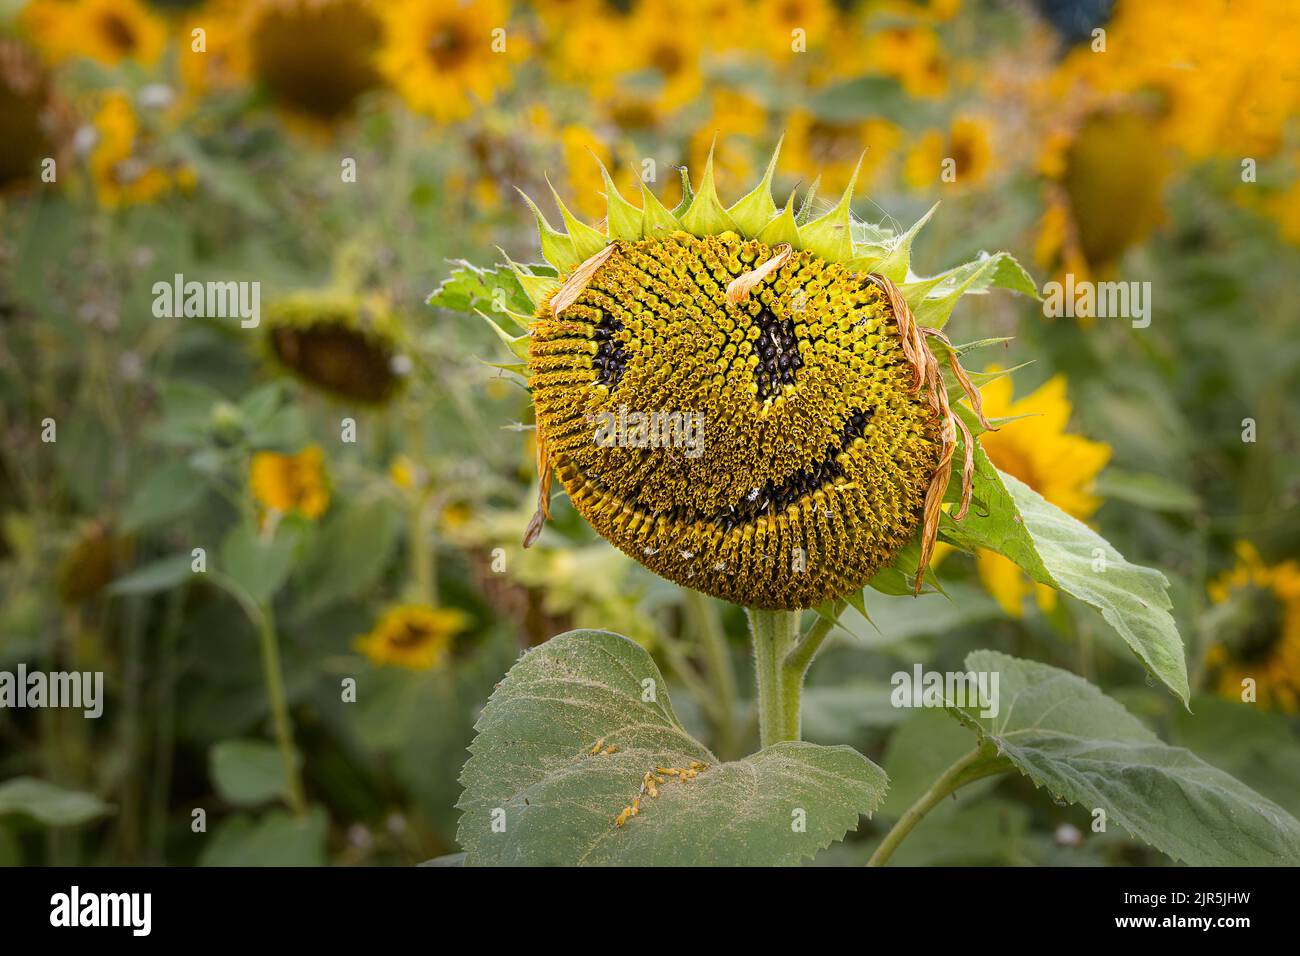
[[555, 802], [1082, 746]]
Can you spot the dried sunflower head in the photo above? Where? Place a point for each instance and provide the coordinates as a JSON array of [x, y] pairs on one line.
[[740, 399], [315, 58], [34, 123], [338, 344]]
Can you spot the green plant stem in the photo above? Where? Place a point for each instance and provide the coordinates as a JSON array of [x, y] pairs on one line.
[[800, 657], [422, 555], [964, 771], [259, 613], [280, 709], [773, 635]]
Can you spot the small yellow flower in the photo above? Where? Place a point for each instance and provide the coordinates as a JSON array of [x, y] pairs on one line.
[[122, 174], [1267, 649], [448, 59], [291, 483], [1037, 449], [405, 473], [107, 31], [414, 636], [913, 56], [966, 144]]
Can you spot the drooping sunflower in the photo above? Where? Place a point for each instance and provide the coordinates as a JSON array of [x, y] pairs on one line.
[[1262, 643], [107, 31], [447, 59], [1097, 208], [339, 344], [290, 484], [1037, 449], [34, 122], [739, 398], [414, 636], [314, 58]]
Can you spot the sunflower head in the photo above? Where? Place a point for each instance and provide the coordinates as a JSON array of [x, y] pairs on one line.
[[338, 344], [34, 124], [91, 563], [314, 58], [414, 636], [1257, 607], [739, 398], [290, 484], [107, 31]]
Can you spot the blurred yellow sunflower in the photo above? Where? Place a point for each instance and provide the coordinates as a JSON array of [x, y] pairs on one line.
[[967, 144], [912, 55], [446, 59], [1098, 208], [784, 28], [1214, 96], [1266, 648], [736, 123], [667, 38], [414, 636], [120, 167], [107, 31], [290, 484], [818, 147], [1037, 449], [314, 58], [34, 123]]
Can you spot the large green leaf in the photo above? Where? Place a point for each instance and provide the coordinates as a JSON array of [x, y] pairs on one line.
[[1066, 735], [49, 804], [554, 803], [1057, 550], [247, 772]]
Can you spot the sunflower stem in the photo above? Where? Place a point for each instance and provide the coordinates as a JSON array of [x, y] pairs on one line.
[[773, 634], [967, 769]]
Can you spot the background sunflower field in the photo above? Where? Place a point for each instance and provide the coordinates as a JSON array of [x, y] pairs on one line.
[[291, 541]]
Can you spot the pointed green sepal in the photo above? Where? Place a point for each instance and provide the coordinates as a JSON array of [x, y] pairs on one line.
[[782, 228], [518, 344], [894, 266], [757, 209], [707, 216], [622, 219], [557, 248], [688, 194], [514, 368], [806, 207], [521, 321], [831, 235], [587, 240], [537, 288], [656, 219]]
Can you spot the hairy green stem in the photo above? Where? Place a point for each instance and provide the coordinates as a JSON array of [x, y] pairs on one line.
[[259, 613], [964, 771], [773, 634]]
